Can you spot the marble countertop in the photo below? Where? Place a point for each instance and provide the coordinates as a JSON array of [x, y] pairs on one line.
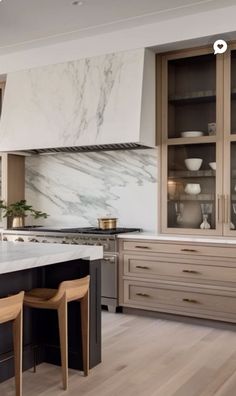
[[20, 256], [178, 238]]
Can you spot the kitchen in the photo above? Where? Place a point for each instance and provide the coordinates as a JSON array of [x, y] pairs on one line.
[[82, 145]]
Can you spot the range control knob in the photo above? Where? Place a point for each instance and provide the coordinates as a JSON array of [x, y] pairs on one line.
[[4, 238], [33, 240], [19, 239], [44, 241]]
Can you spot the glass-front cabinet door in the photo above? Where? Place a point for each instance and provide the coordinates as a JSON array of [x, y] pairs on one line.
[[192, 129], [230, 141]]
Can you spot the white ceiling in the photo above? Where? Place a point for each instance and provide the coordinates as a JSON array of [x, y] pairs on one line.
[[32, 23]]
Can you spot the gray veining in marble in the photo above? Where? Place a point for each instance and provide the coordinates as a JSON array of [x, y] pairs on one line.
[[91, 101], [76, 189]]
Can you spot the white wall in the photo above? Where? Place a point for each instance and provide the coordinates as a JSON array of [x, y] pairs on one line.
[[157, 34]]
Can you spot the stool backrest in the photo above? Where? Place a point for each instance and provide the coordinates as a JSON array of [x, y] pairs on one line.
[[10, 307], [72, 290]]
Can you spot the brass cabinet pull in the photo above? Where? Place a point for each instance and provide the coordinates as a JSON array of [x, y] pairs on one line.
[[142, 247], [191, 272], [227, 214], [142, 267], [221, 208], [218, 208], [189, 300], [142, 294], [189, 250]]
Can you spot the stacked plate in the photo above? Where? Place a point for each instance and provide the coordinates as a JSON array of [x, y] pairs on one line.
[[191, 134]]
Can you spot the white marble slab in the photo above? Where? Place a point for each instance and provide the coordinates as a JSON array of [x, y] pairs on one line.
[[91, 101], [177, 238], [20, 256], [76, 189]]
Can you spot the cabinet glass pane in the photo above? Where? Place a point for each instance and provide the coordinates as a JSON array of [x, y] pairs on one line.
[[0, 178], [232, 209], [192, 95], [0, 101], [233, 92], [192, 186]]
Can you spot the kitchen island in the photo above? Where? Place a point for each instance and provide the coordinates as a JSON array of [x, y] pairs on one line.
[[25, 266]]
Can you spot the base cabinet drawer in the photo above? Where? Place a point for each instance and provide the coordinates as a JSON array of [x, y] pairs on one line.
[[146, 296], [185, 270], [179, 248]]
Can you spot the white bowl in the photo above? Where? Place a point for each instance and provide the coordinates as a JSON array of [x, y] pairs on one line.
[[193, 164], [192, 188], [212, 165], [191, 134]]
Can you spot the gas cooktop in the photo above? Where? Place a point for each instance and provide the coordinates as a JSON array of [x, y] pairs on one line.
[[94, 230], [82, 230]]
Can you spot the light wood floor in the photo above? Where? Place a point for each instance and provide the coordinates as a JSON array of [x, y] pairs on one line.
[[147, 357]]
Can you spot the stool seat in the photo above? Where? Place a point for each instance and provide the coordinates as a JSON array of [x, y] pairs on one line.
[[11, 309], [74, 290], [39, 296]]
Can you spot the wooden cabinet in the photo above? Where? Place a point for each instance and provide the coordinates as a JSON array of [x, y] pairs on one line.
[[198, 142], [12, 181], [192, 279]]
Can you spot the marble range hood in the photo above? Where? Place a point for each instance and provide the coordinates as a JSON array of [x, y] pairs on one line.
[[105, 102]]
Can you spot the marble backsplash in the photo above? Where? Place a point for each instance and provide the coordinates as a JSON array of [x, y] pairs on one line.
[[76, 189]]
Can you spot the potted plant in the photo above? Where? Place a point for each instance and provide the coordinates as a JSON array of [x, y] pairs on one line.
[[17, 212]]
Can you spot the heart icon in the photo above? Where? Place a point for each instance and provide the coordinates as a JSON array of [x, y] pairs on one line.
[[220, 46]]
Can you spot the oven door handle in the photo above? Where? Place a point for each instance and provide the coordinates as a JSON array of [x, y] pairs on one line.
[[112, 259]]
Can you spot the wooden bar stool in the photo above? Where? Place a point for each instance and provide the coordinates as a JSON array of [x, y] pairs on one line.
[[74, 290], [11, 309]]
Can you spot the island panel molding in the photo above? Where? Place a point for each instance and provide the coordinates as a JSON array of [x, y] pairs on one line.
[[108, 99]]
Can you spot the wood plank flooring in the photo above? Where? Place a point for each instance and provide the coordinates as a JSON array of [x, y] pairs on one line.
[[145, 356]]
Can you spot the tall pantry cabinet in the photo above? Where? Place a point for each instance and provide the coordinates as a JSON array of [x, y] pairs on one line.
[[198, 142]]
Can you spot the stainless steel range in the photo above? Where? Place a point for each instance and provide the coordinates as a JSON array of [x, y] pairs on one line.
[[82, 236]]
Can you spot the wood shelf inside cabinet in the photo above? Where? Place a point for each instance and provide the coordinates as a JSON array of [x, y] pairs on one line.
[[191, 140], [180, 174], [194, 97], [199, 197]]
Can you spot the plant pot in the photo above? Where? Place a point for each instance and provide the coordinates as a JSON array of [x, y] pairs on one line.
[[18, 221]]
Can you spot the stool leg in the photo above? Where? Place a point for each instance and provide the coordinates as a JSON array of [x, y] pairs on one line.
[[62, 318], [84, 308], [17, 341]]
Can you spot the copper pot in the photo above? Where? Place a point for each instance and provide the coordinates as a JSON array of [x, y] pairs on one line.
[[107, 223]]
